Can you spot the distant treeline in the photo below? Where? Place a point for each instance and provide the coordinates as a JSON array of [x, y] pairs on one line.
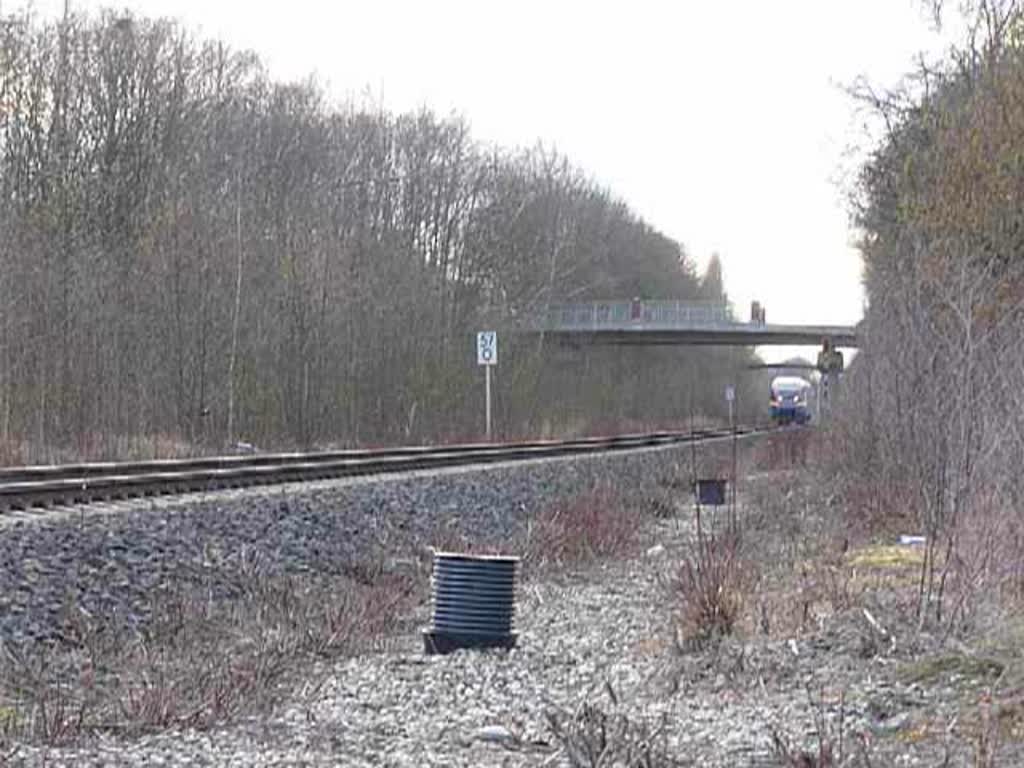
[[190, 249]]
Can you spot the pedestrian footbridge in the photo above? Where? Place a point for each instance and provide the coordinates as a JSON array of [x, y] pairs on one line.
[[673, 322]]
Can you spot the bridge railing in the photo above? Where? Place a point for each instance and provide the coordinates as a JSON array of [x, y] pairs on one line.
[[615, 315]]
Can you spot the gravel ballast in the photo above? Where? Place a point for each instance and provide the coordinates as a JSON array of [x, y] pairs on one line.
[[105, 562], [585, 634], [606, 625], [578, 631]]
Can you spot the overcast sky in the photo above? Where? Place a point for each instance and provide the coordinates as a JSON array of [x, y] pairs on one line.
[[724, 124]]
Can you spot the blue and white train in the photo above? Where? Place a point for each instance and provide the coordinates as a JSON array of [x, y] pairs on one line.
[[789, 400]]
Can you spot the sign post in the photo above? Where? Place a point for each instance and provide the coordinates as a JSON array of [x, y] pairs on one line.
[[487, 356], [730, 397]]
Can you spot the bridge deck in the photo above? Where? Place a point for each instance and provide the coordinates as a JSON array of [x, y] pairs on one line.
[[674, 322], [739, 335]]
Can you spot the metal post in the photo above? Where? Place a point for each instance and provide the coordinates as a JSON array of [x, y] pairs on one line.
[[487, 379], [827, 395]]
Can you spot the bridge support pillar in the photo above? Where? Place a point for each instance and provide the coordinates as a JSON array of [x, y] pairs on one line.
[[830, 364], [828, 395]]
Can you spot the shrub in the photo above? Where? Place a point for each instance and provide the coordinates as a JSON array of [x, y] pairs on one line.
[[709, 588], [596, 524]]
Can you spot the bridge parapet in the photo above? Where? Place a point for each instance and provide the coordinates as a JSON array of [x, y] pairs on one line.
[[632, 315]]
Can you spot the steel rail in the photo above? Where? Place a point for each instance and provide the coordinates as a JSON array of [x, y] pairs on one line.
[[42, 486]]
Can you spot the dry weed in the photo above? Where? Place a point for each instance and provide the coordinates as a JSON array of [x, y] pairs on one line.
[[830, 747], [593, 736], [710, 588], [590, 526], [198, 662]]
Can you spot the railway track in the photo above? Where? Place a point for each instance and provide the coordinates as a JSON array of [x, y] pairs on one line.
[[24, 488]]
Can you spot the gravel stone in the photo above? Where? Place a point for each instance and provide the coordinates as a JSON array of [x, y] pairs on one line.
[[580, 631], [113, 559]]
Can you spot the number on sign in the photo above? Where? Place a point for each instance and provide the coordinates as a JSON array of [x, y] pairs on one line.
[[487, 348]]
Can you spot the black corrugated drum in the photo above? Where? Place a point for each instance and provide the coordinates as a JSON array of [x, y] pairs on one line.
[[473, 598]]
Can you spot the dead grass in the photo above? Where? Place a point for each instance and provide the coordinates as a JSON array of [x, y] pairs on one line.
[[887, 557], [596, 735], [952, 667], [597, 524], [603, 427], [96, 446], [787, 450], [831, 744], [796, 598], [843, 561], [452, 539], [199, 662], [811, 566]]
